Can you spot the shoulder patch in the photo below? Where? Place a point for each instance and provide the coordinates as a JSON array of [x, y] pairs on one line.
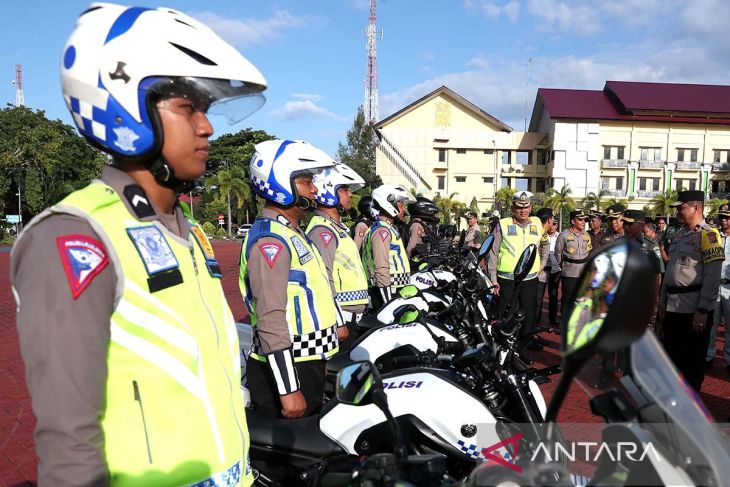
[[327, 238], [271, 252], [302, 252], [203, 240], [384, 233], [710, 246], [83, 258]]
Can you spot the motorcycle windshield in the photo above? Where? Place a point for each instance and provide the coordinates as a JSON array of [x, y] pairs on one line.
[[665, 405]]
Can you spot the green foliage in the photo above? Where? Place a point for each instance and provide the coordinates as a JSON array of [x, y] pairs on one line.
[[221, 233], [474, 206], [47, 157], [561, 203], [712, 206], [661, 202], [503, 200], [595, 200], [358, 151], [209, 229]]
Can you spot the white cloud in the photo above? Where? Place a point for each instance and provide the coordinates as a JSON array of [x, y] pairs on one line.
[[573, 17], [303, 109], [246, 32], [493, 10], [308, 96]]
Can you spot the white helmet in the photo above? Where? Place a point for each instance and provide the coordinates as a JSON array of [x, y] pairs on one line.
[[119, 60], [331, 179], [276, 163], [386, 196]]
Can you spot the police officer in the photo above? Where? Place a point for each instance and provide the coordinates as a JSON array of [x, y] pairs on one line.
[[550, 275], [130, 348], [363, 224], [571, 251], [285, 286], [722, 305], [615, 228], [423, 213], [511, 236], [595, 232], [634, 224], [690, 288], [384, 253], [473, 238], [338, 249]]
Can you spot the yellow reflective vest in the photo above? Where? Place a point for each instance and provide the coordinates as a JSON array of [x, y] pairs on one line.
[[174, 407], [348, 273], [515, 240], [400, 268], [310, 309]]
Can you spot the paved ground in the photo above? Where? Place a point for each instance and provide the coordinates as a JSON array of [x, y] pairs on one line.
[[17, 457]]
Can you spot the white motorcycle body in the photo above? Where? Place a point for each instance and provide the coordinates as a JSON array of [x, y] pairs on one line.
[[430, 398], [431, 278], [382, 340]]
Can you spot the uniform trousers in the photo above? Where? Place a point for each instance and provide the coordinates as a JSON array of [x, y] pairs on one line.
[[685, 347], [722, 310], [569, 284], [265, 395], [526, 301], [552, 284]]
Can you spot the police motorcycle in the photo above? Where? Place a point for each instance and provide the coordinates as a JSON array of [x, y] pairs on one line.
[[423, 401], [657, 431]]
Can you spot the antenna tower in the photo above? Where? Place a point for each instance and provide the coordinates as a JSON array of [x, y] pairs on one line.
[[371, 74], [19, 100]]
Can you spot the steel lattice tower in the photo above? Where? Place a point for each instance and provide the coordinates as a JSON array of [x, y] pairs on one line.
[[371, 75], [19, 99]]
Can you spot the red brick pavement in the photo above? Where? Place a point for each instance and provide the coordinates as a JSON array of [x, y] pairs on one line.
[[17, 457]]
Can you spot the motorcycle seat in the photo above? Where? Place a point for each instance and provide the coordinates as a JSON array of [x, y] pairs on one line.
[[301, 435], [368, 322]]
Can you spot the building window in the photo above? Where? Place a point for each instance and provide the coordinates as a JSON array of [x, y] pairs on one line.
[[441, 182], [540, 185], [461, 151], [721, 155], [687, 154], [523, 158], [505, 157], [620, 153], [522, 184], [442, 155], [615, 152], [649, 184], [504, 182], [542, 157], [619, 183], [651, 154], [460, 179], [489, 180], [489, 152], [686, 184], [605, 182], [606, 151]]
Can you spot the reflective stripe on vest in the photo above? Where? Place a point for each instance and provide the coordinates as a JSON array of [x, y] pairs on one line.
[[400, 269], [310, 309], [173, 400], [515, 240], [348, 273]]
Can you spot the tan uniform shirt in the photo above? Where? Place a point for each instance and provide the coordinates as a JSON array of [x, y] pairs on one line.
[[473, 237], [572, 245], [695, 260], [543, 249], [381, 257], [328, 252], [64, 342], [361, 229], [415, 237]]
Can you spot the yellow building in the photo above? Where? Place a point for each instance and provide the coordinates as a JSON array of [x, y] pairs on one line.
[[443, 143]]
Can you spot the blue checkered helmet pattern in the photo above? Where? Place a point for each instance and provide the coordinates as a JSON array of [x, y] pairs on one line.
[[332, 179], [117, 57], [277, 162]]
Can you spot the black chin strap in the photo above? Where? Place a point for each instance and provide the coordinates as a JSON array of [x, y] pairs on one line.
[[165, 175], [340, 209], [305, 203]]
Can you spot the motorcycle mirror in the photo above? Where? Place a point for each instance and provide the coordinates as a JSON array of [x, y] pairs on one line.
[[486, 246], [609, 310], [525, 262], [356, 383]]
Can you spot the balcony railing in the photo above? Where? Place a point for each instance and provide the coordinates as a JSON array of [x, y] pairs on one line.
[[647, 194], [651, 164], [618, 163], [689, 166], [721, 166], [616, 192]]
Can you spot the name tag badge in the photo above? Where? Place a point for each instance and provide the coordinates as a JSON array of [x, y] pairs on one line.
[[533, 229], [511, 230], [304, 254], [153, 249], [214, 269]]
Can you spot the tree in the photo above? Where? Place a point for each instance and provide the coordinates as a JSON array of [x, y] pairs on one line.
[[446, 204], [48, 159], [595, 200], [230, 182], [712, 206], [661, 202], [503, 199], [557, 199], [474, 206], [358, 151]]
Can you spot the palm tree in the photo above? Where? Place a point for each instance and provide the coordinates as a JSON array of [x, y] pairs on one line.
[[226, 182], [661, 202], [557, 199], [712, 206], [595, 200], [445, 204], [503, 198], [458, 209]]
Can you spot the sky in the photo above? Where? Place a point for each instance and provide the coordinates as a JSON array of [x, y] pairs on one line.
[[313, 52]]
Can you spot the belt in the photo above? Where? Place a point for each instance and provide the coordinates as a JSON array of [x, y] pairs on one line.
[[575, 261], [684, 289], [353, 318]]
